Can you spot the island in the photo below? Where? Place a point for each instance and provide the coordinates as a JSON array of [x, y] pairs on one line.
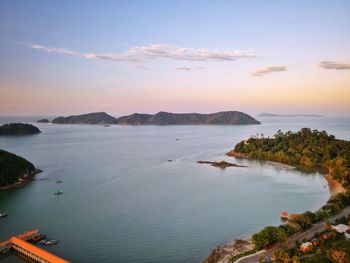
[[43, 121], [221, 164], [283, 243], [161, 118], [89, 118], [15, 171], [18, 129], [289, 115]]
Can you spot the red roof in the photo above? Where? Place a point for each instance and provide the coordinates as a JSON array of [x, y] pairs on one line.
[[37, 251]]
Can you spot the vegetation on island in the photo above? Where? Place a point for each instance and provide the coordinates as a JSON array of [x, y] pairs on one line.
[[161, 118], [306, 147], [13, 168], [310, 148], [18, 129]]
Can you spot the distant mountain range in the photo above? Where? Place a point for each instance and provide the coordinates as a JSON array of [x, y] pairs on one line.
[[288, 115], [162, 118]]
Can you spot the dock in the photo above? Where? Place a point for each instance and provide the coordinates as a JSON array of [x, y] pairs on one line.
[[21, 245]]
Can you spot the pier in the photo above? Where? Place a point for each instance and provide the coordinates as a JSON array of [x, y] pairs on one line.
[[20, 245]]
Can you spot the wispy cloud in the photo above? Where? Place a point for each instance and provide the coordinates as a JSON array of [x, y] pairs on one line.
[[155, 51], [334, 65], [268, 69], [189, 68]]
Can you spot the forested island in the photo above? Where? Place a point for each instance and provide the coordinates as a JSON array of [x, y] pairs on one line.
[[15, 171], [307, 148], [43, 121], [161, 118], [18, 129]]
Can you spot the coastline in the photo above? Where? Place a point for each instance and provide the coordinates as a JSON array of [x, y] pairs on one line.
[[22, 181], [222, 254], [334, 186]]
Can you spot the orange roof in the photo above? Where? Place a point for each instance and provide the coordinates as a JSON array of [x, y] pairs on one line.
[[28, 233], [37, 251]]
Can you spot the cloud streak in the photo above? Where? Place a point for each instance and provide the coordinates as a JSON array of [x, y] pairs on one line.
[[268, 69], [156, 51], [334, 65]]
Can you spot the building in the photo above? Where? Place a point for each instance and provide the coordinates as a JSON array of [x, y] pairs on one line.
[[341, 228], [306, 247]]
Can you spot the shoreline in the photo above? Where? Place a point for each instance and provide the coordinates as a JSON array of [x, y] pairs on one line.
[[222, 253], [22, 181], [334, 186]]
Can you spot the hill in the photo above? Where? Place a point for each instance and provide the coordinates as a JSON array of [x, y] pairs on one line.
[[162, 118], [306, 147], [167, 118], [13, 167], [18, 129], [90, 118]]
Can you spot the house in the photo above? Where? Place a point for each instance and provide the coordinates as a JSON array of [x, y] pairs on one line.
[[326, 235], [315, 242], [306, 247], [341, 228], [347, 234], [284, 215]]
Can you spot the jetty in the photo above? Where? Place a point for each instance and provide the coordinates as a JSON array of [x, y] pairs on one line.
[[21, 245]]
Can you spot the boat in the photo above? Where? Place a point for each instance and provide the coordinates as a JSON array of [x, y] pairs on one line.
[[50, 242], [106, 125], [58, 193], [58, 181], [3, 215]]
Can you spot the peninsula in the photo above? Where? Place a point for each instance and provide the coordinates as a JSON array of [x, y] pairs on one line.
[[18, 129], [289, 115], [310, 148], [162, 118], [15, 171]]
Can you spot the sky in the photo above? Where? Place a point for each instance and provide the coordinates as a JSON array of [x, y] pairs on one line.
[[74, 57]]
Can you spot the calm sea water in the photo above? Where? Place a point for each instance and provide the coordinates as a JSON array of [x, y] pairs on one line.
[[124, 201]]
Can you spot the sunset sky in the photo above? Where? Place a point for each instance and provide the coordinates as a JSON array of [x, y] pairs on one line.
[[73, 57]]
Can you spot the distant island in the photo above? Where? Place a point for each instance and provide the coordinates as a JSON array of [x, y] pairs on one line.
[[89, 118], [15, 171], [43, 121], [162, 118], [289, 115], [18, 129]]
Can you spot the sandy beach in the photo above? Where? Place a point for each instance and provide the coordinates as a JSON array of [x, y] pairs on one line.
[[334, 186]]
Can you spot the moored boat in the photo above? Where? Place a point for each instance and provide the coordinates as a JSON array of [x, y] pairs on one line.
[[3, 215]]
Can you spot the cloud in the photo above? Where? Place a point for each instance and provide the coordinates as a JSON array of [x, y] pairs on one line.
[[334, 65], [268, 69], [184, 68], [189, 69], [155, 51]]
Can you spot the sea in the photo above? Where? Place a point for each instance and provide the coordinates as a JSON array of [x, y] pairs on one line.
[[137, 194]]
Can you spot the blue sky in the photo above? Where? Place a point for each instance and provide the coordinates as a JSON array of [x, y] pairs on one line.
[[198, 56]]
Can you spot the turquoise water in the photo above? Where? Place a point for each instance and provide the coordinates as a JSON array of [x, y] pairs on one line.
[[124, 201]]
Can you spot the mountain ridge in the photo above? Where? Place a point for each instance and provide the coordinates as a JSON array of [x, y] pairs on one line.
[[161, 118]]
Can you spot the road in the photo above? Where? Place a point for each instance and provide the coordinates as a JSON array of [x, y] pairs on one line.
[[319, 227]]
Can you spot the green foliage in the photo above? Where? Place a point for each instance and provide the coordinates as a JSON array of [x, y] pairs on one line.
[[316, 258], [12, 167], [305, 147], [268, 236]]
